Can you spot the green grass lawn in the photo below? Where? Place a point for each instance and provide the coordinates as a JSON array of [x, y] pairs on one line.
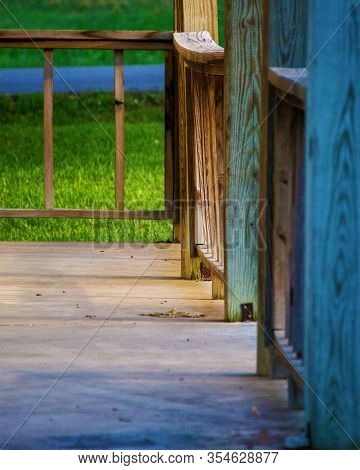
[[86, 14], [84, 166], [84, 141]]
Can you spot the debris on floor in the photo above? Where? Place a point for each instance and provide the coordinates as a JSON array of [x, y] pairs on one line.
[[174, 314]]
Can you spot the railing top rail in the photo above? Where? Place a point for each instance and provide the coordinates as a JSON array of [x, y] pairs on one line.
[[82, 39], [291, 81], [200, 52]]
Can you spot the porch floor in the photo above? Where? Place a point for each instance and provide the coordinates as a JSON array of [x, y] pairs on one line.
[[83, 365]]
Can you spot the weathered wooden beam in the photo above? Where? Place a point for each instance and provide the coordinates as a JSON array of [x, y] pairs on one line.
[[86, 214], [332, 226], [288, 28], [244, 83], [288, 33], [111, 40], [190, 15]]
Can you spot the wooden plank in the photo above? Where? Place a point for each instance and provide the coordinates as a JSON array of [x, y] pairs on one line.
[[86, 214], [119, 129], [48, 130], [197, 15], [89, 45], [169, 131], [283, 182], [205, 153], [192, 118], [244, 77], [288, 33], [176, 153], [220, 171], [132, 40], [212, 160], [217, 288], [266, 221], [332, 226], [296, 314]]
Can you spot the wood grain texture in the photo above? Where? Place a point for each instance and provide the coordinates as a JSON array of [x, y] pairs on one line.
[[284, 174], [287, 27], [332, 227], [190, 15], [135, 40], [119, 129], [244, 75], [48, 129], [197, 15], [200, 52], [86, 214], [288, 33], [217, 288]]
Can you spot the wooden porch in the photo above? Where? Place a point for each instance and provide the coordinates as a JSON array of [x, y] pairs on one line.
[[95, 369], [125, 346]]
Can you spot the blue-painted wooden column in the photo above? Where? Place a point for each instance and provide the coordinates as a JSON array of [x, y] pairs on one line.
[[244, 79], [332, 225]]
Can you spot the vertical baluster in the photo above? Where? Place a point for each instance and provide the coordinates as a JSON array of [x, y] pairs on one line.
[[169, 130], [119, 129], [48, 129]]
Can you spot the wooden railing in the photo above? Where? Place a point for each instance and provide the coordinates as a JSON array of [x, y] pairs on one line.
[[118, 42], [201, 83], [285, 224]]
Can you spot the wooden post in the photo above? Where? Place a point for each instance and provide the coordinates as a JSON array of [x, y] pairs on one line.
[[244, 79], [48, 129], [119, 130], [190, 15], [332, 226], [197, 15], [287, 48], [288, 38], [169, 131]]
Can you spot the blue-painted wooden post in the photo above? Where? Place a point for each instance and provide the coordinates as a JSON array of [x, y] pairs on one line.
[[332, 225], [244, 78], [288, 38]]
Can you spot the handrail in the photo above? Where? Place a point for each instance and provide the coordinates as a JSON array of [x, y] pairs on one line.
[[291, 81], [82, 39], [200, 52]]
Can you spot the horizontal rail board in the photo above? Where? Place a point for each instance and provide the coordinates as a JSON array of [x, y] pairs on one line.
[[212, 265], [132, 40], [86, 214], [200, 52], [290, 81]]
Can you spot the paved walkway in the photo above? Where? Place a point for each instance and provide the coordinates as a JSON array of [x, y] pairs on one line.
[[148, 78], [90, 356]]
